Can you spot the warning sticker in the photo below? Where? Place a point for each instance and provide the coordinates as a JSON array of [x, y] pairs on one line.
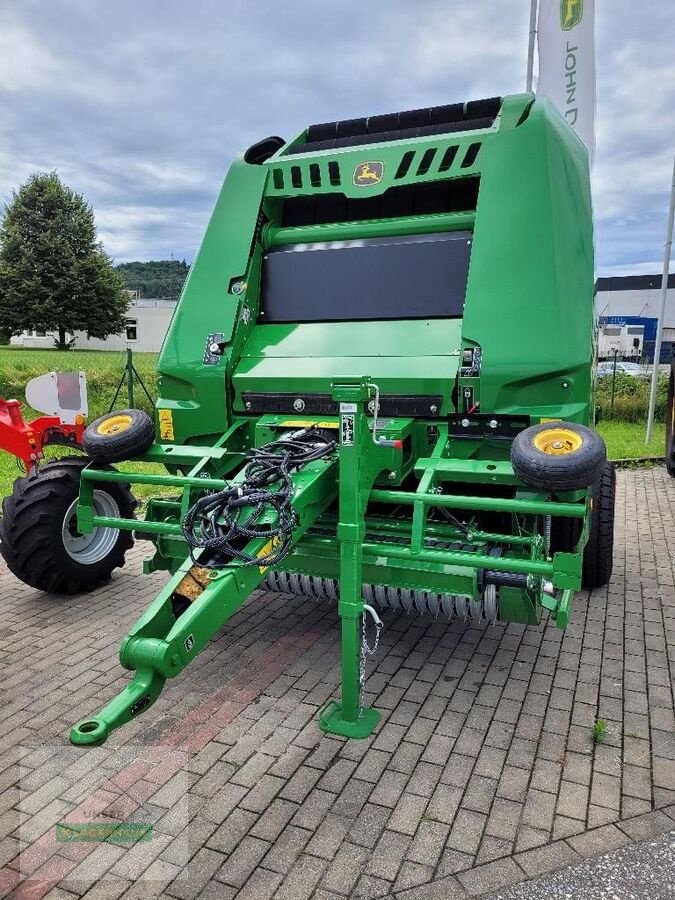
[[347, 430], [306, 423], [166, 432], [266, 550]]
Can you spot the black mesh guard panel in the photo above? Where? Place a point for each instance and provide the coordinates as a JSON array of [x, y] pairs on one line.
[[410, 277]]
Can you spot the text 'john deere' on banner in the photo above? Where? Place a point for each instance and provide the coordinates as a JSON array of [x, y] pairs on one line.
[[567, 62]]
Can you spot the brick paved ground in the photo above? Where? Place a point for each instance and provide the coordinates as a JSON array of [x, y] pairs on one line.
[[481, 774]]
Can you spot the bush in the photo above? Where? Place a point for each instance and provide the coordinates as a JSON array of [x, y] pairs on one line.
[[631, 398]]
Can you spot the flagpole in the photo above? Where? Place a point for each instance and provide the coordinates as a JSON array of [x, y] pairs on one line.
[[530, 46], [662, 309]]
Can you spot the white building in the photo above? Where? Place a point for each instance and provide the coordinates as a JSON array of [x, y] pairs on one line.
[[635, 295], [146, 324], [634, 300]]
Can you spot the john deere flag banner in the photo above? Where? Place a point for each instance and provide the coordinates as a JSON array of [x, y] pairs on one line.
[[567, 62]]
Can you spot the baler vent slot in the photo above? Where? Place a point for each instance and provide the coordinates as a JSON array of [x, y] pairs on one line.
[[425, 198], [334, 173], [470, 155], [314, 175], [404, 165], [414, 123], [278, 178], [296, 176], [427, 159], [448, 158]]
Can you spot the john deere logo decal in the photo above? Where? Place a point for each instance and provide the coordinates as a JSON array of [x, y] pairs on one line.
[[571, 13], [368, 173]]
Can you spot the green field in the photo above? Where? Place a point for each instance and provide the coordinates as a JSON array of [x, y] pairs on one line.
[[103, 371], [625, 440]]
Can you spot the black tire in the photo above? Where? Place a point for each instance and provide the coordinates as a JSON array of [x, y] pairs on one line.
[[119, 435], [599, 549], [32, 539], [569, 471], [564, 535], [670, 424]]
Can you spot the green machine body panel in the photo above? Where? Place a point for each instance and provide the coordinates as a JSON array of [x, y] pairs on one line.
[[422, 378]]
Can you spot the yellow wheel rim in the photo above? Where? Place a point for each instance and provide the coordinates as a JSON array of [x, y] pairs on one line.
[[557, 441], [114, 425]]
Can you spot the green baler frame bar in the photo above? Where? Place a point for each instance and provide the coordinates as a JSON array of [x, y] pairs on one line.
[[346, 231]]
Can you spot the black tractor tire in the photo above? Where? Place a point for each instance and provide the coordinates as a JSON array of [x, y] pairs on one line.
[[574, 470], [670, 424], [599, 549], [119, 435], [564, 534], [38, 534]]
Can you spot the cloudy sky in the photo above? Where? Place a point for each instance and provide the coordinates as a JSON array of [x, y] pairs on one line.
[[141, 106]]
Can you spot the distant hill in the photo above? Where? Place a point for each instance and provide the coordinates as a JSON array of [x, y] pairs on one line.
[[158, 278]]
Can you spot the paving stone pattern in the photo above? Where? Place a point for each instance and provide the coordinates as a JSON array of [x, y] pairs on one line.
[[482, 773]]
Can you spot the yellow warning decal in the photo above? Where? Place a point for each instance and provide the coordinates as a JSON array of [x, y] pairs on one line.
[[269, 546], [306, 423], [550, 420], [166, 432]]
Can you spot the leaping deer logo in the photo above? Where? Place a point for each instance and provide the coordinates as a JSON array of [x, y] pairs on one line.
[[571, 13], [368, 173]]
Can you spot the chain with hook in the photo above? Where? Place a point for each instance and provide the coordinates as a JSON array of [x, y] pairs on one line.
[[366, 649]]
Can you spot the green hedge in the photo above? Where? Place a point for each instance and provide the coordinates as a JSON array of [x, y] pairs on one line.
[[631, 398]]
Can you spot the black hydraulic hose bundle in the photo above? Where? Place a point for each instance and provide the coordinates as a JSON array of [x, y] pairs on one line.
[[223, 522]]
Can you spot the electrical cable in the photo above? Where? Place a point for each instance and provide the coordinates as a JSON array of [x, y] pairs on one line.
[[223, 522]]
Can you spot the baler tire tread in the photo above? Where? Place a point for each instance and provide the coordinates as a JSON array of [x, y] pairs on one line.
[[558, 473], [565, 533], [30, 531], [125, 444], [670, 424], [599, 549]]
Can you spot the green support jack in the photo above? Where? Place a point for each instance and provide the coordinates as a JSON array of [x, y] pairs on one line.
[[360, 461]]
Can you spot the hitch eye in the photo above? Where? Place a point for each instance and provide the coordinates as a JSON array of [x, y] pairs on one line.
[[89, 733], [87, 727]]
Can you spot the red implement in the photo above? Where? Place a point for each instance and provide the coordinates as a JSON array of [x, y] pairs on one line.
[[26, 440]]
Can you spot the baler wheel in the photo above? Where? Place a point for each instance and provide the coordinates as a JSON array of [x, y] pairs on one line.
[[598, 552], [670, 424], [558, 456], [38, 534], [119, 435], [599, 549]]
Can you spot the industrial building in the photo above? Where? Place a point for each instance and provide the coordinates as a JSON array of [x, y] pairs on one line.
[[627, 310], [146, 324]]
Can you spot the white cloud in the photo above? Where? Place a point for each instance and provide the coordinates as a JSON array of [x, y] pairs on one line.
[[26, 63], [141, 107]]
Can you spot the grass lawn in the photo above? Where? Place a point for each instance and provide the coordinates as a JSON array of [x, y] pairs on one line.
[[626, 440], [103, 370]]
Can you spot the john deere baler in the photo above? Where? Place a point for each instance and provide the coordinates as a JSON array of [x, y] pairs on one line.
[[376, 391]]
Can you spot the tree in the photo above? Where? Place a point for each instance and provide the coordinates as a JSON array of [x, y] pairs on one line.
[[157, 278], [54, 273]]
